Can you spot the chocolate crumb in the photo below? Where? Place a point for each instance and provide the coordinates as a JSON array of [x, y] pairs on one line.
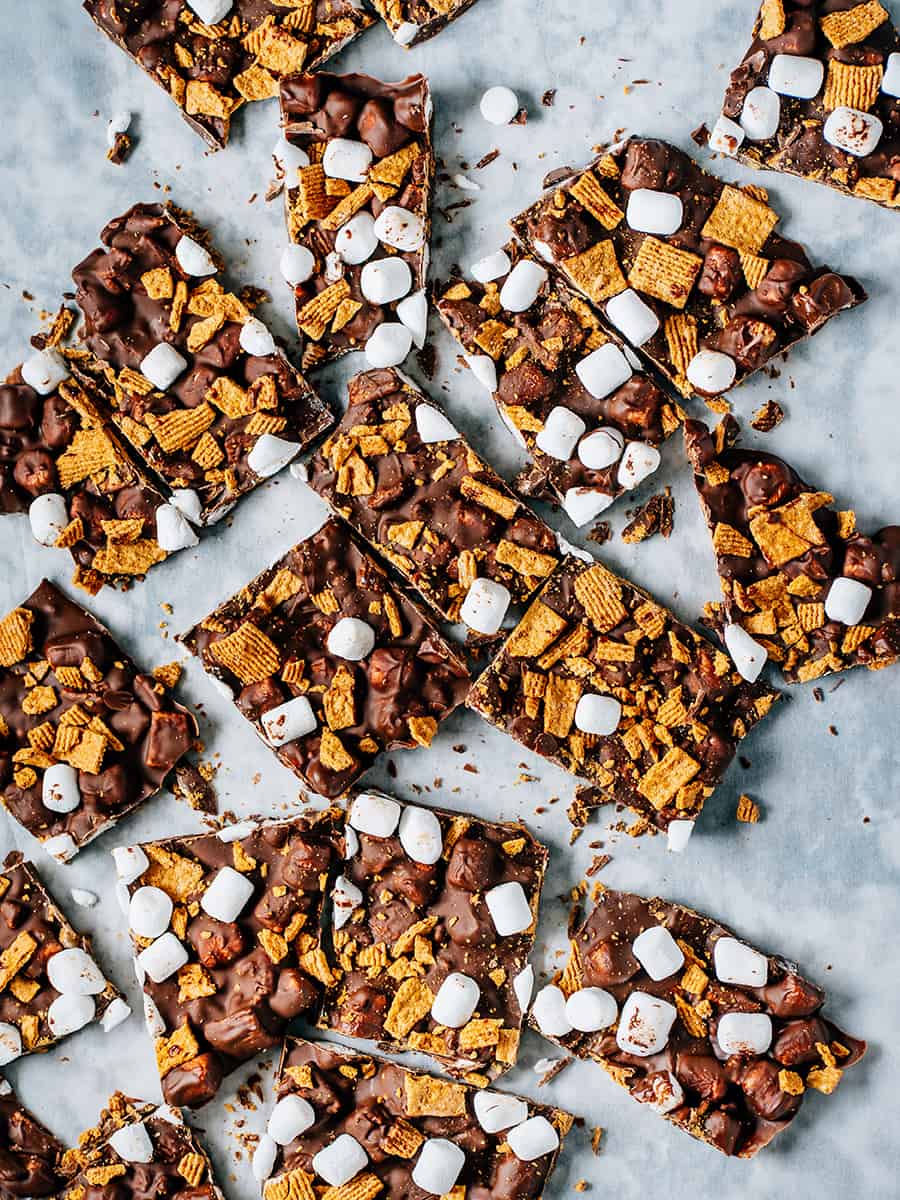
[[549, 98]]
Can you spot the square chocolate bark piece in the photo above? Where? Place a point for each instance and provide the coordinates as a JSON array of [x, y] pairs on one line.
[[410, 483], [50, 985], [802, 585], [85, 736], [414, 21], [213, 56], [192, 379], [721, 1039], [30, 1154], [685, 266], [432, 924], [359, 173], [816, 95], [367, 1126], [603, 681]]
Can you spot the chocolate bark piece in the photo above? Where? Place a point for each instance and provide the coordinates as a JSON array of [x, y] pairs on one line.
[[29, 1153], [605, 682], [210, 71], [735, 1101], [50, 985], [225, 409], [414, 21], [240, 955], [535, 355], [271, 645], [405, 479], [726, 292], [85, 736], [363, 198], [392, 1112], [417, 903], [816, 95], [785, 554]]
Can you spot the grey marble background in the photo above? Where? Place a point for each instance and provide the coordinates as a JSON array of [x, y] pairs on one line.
[[817, 879]]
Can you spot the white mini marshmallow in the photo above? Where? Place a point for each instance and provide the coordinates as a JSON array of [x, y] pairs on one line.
[[601, 448], [61, 847], [583, 504], [166, 1112], [420, 835], [49, 517], [44, 371], [264, 1157], [131, 861], [509, 908], [604, 370], [523, 986], [270, 454], [389, 345], [847, 601], [116, 1013], [748, 655], [288, 156], [293, 719], [351, 842], [405, 33], [400, 228], [549, 1010], [522, 286], [173, 530], [591, 1009], [211, 12], [499, 105], [491, 267], [227, 896], [657, 952], [162, 958], [74, 972], [667, 1092], [561, 432], [794, 75], [761, 114], [599, 715], [744, 1033], [10, 1043], [153, 1020], [296, 264], [234, 833], [340, 1160], [649, 211], [345, 898], [149, 912], [83, 898], [139, 973], [356, 241], [132, 1143], [485, 606], [351, 638], [456, 1000], [255, 339], [374, 814], [633, 317], [69, 1013], [345, 159], [890, 83], [711, 372], [644, 1024], [495, 1111], [484, 369], [639, 460], [433, 426], [726, 136], [194, 259], [59, 791], [533, 1139], [438, 1166], [740, 964], [119, 122], [853, 131], [413, 313], [123, 897], [163, 365], [678, 834], [188, 504], [290, 1117]]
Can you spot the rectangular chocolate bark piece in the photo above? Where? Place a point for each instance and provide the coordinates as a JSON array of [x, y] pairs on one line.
[[50, 984], [603, 681], [406, 479], [330, 662], [433, 921], [366, 1126], [722, 1040], [193, 380], [213, 56], [816, 95], [359, 174], [226, 931], [562, 382], [802, 585], [85, 736], [414, 21], [29, 1154], [686, 266]]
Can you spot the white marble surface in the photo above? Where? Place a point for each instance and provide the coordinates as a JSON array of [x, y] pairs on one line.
[[818, 878]]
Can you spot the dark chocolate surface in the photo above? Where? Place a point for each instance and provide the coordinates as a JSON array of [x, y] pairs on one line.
[[29, 1154], [429, 17]]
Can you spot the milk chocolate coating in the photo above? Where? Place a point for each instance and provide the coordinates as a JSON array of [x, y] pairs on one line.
[[29, 1154]]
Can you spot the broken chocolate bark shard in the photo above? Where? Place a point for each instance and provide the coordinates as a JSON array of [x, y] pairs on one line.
[[413, 21], [29, 1153]]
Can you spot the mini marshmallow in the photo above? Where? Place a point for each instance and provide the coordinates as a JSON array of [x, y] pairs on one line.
[[509, 908], [74, 972], [485, 606], [10, 1043], [156, 1026], [227, 896], [356, 241], [736, 963], [601, 448], [549, 1010], [288, 156], [132, 1143], [131, 861], [255, 339], [149, 912], [405, 33], [264, 1157], [290, 1117], [61, 847], [296, 264], [421, 836], [604, 370], [644, 1024], [657, 952], [545, 250], [499, 105], [678, 834], [234, 833], [761, 114], [890, 83], [118, 123], [726, 137], [522, 286], [748, 655], [293, 719], [598, 715], [270, 454], [163, 957], [847, 601], [667, 1092], [69, 1013], [389, 345], [639, 460], [794, 75], [334, 267], [533, 1139], [853, 131], [340, 1160], [83, 898], [345, 159], [711, 372], [165, 1112], [591, 1009], [351, 842], [400, 228], [413, 313], [173, 530], [211, 12], [491, 267], [438, 1166], [188, 504], [484, 369], [583, 504], [744, 1033], [633, 317], [351, 639], [194, 259], [59, 791], [495, 1111], [649, 211], [456, 1000], [163, 365], [345, 897], [374, 814], [116, 1013], [48, 516], [561, 432], [433, 426], [523, 986], [139, 973], [44, 371]]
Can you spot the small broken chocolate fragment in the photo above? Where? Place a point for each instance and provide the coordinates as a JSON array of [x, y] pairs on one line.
[[766, 418], [653, 517]]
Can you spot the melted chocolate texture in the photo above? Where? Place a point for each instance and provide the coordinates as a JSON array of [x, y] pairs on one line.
[[29, 1155], [420, 13]]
